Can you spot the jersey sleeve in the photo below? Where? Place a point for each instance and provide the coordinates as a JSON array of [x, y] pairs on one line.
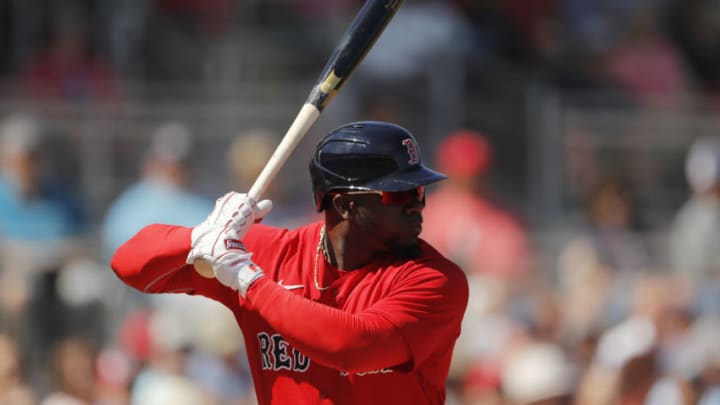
[[427, 309], [401, 330], [153, 261]]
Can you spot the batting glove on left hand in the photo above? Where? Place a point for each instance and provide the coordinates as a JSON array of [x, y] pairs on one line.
[[237, 271], [226, 225]]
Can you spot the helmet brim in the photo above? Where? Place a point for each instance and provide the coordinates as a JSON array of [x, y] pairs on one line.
[[406, 179]]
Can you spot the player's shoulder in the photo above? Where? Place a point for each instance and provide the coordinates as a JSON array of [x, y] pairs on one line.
[[432, 261], [431, 271]]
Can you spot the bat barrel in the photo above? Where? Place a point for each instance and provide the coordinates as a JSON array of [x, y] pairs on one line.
[[360, 36]]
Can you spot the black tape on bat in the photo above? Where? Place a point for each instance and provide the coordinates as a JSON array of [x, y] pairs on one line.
[[362, 33]]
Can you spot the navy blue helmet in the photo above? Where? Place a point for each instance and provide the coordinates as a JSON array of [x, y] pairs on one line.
[[368, 155]]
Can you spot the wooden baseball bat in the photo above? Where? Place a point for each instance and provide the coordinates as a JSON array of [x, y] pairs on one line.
[[357, 40]]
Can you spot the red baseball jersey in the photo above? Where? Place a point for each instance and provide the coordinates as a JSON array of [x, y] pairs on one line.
[[337, 344]]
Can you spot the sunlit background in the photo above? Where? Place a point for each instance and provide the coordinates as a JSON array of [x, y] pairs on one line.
[[581, 139]]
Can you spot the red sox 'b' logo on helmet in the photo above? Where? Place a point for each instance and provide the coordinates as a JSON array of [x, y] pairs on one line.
[[414, 156]]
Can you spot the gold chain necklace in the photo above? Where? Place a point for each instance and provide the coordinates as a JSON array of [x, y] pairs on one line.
[[320, 248]]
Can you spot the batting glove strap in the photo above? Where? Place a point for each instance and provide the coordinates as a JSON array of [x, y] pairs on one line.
[[248, 274], [236, 270]]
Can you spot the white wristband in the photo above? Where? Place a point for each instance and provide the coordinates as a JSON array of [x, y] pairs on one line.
[[248, 274]]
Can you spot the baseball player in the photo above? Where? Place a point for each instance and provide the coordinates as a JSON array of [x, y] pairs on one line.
[[354, 309]]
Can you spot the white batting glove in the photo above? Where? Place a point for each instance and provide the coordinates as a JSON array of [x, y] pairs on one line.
[[227, 224], [237, 271]]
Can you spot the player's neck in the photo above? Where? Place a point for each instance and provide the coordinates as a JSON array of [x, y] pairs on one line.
[[338, 253]]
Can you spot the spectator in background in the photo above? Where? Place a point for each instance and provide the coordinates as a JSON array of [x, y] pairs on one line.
[[694, 236], [162, 378], [68, 68], [13, 389], [246, 157], [32, 207], [612, 229], [645, 63], [605, 250], [460, 219], [161, 195], [538, 372], [198, 351], [629, 364], [73, 368], [179, 38], [421, 31], [218, 362], [490, 245], [700, 357], [41, 228], [426, 37]]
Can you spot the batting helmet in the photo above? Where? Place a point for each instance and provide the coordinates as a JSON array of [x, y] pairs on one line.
[[368, 155]]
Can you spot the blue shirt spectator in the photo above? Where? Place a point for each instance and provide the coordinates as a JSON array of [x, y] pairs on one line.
[[161, 195], [151, 201], [32, 206], [50, 214]]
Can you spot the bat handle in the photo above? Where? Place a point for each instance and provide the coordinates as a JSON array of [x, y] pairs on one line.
[[304, 120], [301, 125]]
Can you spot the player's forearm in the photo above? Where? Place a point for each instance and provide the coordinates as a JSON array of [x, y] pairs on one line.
[[151, 256], [339, 339]]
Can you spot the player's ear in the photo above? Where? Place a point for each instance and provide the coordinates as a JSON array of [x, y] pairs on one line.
[[342, 205]]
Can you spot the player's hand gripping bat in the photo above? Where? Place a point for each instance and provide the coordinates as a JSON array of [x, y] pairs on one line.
[[360, 36]]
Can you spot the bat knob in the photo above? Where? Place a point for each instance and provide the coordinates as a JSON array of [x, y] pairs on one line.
[[204, 268]]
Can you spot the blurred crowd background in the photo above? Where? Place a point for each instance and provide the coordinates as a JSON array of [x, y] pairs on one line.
[[581, 139]]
